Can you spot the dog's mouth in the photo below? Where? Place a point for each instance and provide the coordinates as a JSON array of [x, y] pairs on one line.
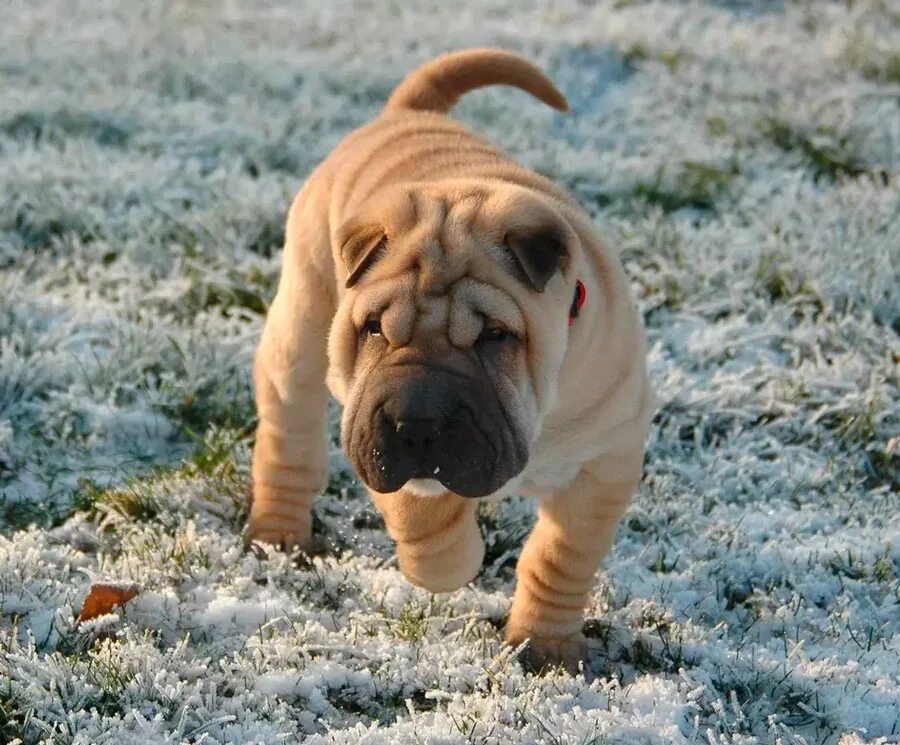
[[432, 433]]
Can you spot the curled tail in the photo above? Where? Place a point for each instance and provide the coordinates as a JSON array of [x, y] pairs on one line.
[[439, 84]]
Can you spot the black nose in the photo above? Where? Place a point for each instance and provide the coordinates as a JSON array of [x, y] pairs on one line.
[[418, 435]]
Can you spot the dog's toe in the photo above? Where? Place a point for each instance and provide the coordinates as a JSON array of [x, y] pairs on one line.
[[542, 654], [282, 538]]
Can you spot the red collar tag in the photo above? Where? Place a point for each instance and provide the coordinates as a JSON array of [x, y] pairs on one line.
[[577, 301]]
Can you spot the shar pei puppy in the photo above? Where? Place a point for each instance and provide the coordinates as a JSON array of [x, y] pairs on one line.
[[482, 340]]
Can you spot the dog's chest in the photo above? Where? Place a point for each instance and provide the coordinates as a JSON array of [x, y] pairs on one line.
[[546, 475]]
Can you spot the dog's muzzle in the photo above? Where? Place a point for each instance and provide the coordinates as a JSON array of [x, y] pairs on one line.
[[441, 426]]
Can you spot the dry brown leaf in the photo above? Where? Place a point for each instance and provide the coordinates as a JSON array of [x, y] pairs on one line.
[[104, 597]]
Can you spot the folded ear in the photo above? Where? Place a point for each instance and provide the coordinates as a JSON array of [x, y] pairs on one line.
[[361, 246], [538, 253]]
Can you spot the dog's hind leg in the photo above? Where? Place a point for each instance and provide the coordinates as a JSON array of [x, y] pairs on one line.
[[556, 569], [290, 457], [439, 544]]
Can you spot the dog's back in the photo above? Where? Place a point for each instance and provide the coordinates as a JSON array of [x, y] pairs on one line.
[[414, 141]]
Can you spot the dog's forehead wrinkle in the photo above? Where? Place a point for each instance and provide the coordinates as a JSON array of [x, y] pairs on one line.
[[437, 268], [462, 215], [414, 207]]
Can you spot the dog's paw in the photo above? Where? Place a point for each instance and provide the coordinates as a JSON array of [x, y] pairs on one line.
[[541, 654], [282, 537], [438, 582], [446, 571]]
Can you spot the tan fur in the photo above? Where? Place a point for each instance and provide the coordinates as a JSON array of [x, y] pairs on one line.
[[438, 85], [579, 394]]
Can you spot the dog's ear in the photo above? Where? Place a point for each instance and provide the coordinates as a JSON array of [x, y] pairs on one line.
[[538, 253], [361, 246]]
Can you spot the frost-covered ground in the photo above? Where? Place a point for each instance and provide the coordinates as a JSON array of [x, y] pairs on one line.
[[746, 158]]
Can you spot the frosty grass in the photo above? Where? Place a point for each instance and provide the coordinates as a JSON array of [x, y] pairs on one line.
[[744, 156]]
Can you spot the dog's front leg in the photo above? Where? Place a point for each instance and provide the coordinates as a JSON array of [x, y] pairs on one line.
[[556, 569], [290, 457], [439, 545]]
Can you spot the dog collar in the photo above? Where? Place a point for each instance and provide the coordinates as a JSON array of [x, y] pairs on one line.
[[577, 301]]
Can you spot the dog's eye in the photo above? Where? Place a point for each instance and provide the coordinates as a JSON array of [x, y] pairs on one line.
[[495, 334], [372, 327]]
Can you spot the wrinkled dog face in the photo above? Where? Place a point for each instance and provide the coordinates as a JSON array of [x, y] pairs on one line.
[[446, 346]]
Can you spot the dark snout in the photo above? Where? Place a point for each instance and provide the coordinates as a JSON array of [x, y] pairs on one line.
[[415, 419], [430, 423]]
